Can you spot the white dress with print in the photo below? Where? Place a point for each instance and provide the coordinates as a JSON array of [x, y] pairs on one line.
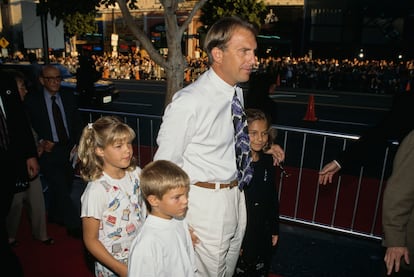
[[119, 206]]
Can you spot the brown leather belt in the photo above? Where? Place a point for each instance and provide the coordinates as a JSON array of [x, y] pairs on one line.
[[206, 185]]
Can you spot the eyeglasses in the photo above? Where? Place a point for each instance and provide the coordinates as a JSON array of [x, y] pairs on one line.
[[52, 78]]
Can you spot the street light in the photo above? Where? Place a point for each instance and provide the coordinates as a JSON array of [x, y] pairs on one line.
[[361, 54]]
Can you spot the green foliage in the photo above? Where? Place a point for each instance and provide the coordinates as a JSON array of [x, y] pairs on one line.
[[250, 10], [80, 24]]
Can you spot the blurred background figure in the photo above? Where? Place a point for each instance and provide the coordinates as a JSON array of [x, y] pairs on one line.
[[260, 85], [394, 127], [31, 195], [57, 121], [18, 159], [86, 76]]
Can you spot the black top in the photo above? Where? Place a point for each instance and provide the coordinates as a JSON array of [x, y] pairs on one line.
[[262, 209]]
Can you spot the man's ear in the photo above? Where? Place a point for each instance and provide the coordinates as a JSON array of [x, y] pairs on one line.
[[153, 200], [217, 54]]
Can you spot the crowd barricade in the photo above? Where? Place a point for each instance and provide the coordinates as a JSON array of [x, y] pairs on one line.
[[351, 204]]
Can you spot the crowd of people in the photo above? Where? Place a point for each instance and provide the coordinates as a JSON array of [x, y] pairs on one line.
[[207, 205], [354, 75]]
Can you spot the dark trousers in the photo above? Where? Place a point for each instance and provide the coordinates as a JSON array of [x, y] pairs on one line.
[[9, 261], [58, 174]]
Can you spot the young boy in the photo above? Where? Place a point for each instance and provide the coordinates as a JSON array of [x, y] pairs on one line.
[[164, 246]]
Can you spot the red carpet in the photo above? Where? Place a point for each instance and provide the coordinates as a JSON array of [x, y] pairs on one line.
[[64, 258]]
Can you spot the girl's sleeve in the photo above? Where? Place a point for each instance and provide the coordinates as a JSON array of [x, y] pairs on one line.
[[93, 201]]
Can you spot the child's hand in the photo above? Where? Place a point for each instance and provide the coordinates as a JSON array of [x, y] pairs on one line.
[[277, 152]]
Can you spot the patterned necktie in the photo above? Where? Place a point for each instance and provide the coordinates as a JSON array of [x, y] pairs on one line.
[[243, 155], [60, 126], [4, 134]]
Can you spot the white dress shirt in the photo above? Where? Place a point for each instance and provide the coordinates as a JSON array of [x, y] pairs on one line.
[[197, 131], [162, 249]]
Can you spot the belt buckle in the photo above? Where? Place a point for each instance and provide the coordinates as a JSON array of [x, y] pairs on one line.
[[233, 184]]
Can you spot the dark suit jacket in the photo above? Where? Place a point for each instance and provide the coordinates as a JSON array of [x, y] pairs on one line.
[[21, 139], [394, 127], [13, 161], [37, 111], [258, 95]]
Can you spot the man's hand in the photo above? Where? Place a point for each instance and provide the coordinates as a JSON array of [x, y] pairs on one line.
[[277, 152], [32, 167], [46, 145], [393, 257], [327, 172]]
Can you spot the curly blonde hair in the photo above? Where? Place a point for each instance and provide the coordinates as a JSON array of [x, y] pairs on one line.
[[105, 131]]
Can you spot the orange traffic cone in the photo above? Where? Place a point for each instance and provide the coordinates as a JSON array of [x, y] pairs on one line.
[[310, 113], [408, 86]]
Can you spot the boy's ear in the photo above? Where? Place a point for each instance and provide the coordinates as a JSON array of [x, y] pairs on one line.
[[152, 200]]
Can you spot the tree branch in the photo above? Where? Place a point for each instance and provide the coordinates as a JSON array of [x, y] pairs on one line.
[[140, 35], [187, 22]]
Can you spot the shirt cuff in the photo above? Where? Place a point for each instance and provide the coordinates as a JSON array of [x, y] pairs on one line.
[[336, 162]]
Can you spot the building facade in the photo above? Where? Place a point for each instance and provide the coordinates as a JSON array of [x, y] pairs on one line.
[[148, 16]]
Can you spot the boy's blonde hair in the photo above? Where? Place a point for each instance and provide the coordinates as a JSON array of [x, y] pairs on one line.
[[158, 177], [105, 131]]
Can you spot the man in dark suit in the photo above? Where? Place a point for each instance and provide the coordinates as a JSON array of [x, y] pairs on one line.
[[86, 76], [18, 160], [394, 127], [260, 85], [59, 132]]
